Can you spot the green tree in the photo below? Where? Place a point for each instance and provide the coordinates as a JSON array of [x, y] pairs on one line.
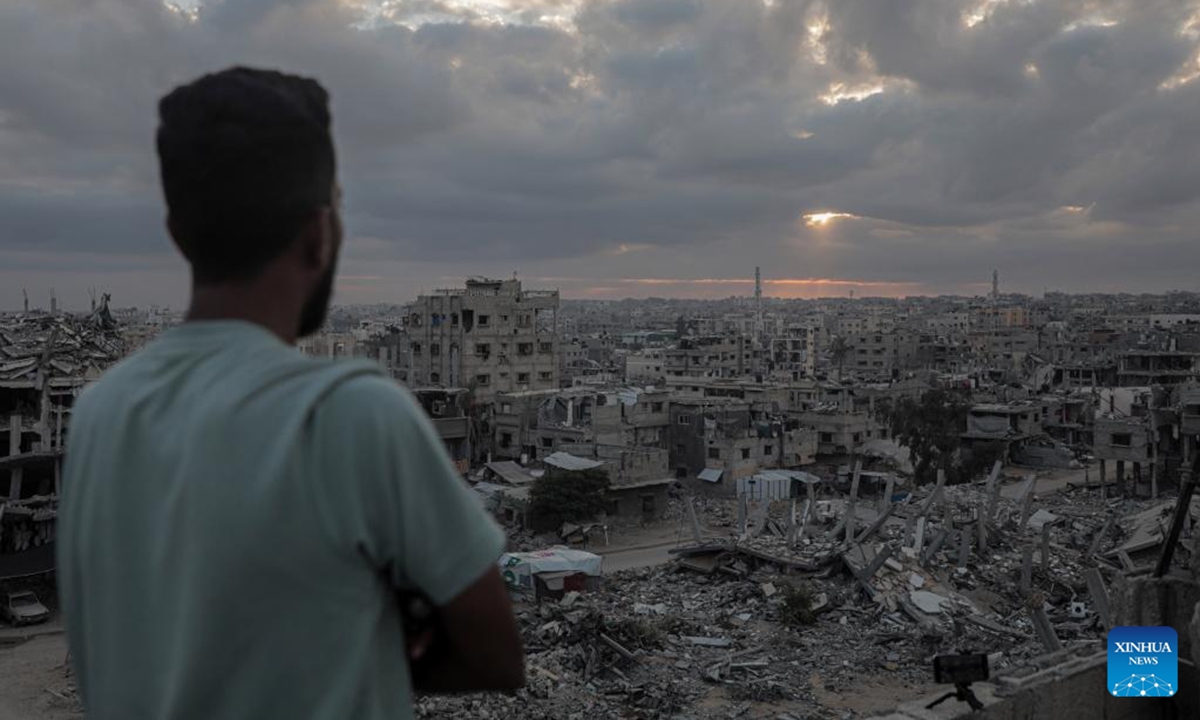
[[931, 428], [558, 497]]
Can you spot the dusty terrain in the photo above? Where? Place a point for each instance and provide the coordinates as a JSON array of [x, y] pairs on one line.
[[35, 683]]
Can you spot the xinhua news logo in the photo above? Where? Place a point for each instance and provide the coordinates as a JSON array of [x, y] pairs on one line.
[[1143, 661]]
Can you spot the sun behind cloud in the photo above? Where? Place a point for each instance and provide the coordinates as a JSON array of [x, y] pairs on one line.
[[820, 219]]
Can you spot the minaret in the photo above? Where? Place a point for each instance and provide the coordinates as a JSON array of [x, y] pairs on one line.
[[758, 314], [995, 323]]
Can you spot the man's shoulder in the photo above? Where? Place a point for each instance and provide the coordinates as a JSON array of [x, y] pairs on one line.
[[366, 394], [114, 381]]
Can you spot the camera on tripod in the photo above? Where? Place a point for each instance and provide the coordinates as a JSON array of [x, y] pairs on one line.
[[960, 671]]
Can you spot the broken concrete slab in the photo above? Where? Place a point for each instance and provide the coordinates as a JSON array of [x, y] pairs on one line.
[[1040, 518], [707, 641], [929, 602]]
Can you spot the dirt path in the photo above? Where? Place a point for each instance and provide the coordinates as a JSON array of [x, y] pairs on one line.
[[33, 672]]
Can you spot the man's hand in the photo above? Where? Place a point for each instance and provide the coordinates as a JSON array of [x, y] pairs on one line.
[[474, 644], [418, 616]]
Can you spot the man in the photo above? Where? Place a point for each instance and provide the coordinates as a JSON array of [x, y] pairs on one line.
[[240, 522]]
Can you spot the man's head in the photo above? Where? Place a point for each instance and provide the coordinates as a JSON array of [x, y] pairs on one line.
[[248, 172]]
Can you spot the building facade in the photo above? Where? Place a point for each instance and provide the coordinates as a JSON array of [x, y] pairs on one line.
[[490, 336]]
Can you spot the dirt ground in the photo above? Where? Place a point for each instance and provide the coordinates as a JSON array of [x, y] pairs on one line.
[[33, 681]]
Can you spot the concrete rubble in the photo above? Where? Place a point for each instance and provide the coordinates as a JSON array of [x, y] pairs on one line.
[[58, 346], [708, 635]]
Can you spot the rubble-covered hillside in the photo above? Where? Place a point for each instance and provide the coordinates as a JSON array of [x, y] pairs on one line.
[[803, 623]]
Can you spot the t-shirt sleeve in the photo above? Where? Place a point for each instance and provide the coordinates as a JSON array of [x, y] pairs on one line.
[[415, 517]]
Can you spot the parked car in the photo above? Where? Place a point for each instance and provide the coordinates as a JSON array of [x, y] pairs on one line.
[[23, 608]]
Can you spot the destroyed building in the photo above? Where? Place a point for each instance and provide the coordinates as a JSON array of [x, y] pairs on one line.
[[637, 478], [447, 409], [840, 428], [719, 440], [533, 424], [390, 347], [491, 336], [1140, 368], [46, 359]]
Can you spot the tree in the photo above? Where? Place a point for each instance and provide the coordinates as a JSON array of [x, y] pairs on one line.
[[931, 428], [558, 497]]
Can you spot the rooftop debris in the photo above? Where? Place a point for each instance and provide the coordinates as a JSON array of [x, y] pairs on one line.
[[58, 346]]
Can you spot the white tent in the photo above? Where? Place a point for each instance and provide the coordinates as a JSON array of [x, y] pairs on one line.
[[519, 569]]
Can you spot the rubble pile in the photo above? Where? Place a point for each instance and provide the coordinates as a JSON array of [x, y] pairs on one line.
[[59, 345], [948, 569], [662, 643]]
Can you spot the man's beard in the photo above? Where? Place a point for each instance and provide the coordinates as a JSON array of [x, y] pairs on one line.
[[312, 316]]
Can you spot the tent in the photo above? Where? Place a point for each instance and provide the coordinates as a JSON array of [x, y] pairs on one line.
[[520, 568]]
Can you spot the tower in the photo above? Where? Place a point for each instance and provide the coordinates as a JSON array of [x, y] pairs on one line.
[[758, 313], [995, 317]]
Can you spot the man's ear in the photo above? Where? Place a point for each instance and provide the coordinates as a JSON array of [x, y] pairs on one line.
[[317, 240]]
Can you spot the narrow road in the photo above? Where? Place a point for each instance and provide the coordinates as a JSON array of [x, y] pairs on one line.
[[637, 558]]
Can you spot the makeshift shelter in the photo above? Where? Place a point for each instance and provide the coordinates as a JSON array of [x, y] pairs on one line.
[[551, 572]]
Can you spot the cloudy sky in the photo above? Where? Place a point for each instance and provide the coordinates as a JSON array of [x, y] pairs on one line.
[[639, 147]]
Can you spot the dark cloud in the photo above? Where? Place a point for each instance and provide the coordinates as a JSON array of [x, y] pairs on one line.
[[486, 134]]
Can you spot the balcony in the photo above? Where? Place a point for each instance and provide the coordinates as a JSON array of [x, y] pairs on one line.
[[1189, 420], [451, 428]]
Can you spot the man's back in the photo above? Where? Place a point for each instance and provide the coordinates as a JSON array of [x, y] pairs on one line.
[[236, 520]]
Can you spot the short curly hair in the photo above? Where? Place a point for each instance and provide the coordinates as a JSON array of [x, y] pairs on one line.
[[247, 158]]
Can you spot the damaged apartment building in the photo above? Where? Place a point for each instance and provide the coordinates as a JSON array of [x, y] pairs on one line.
[[716, 441], [842, 417], [1144, 436], [624, 429], [490, 336], [45, 361], [720, 356]]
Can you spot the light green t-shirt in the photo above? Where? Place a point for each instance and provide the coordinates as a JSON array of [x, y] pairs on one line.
[[236, 520]]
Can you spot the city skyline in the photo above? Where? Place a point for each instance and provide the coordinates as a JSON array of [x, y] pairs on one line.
[[641, 147]]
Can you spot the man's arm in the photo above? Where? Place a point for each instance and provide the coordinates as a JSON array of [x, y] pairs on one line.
[[413, 517], [476, 645]]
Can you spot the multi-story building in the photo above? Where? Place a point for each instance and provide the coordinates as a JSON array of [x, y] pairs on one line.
[[533, 424], [1010, 316], [882, 354], [644, 366], [490, 336], [839, 429], [1140, 368], [389, 348], [719, 440], [948, 323], [329, 345], [712, 356]]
